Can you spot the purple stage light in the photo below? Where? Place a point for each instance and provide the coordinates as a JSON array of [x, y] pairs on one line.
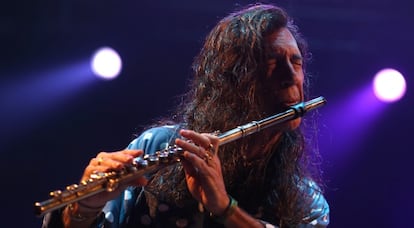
[[348, 121], [389, 85], [106, 63], [28, 102]]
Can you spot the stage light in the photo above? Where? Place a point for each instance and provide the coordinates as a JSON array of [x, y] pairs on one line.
[[106, 63], [389, 85]]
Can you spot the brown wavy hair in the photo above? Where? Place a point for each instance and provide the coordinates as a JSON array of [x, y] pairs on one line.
[[225, 92]]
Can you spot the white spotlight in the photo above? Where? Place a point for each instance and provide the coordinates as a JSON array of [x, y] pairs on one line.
[[106, 63], [389, 85]]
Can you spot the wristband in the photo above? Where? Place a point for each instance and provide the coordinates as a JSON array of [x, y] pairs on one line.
[[227, 212]]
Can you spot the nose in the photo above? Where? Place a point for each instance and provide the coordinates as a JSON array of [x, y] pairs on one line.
[[287, 76]]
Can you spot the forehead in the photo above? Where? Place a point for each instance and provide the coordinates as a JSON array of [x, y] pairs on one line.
[[283, 40]]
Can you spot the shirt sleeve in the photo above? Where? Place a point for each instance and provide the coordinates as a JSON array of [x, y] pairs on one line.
[[317, 209], [152, 140]]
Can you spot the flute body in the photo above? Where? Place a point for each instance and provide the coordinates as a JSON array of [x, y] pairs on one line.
[[109, 181]]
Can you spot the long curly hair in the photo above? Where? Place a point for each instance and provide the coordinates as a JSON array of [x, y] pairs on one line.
[[225, 92]]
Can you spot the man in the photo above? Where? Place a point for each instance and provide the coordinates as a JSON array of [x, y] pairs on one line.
[[250, 67]]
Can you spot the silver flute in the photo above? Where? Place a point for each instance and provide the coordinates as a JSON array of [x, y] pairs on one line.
[[109, 181]]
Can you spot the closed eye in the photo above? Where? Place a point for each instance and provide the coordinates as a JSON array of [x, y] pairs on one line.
[[297, 60]]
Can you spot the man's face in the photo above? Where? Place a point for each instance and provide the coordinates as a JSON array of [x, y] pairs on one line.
[[284, 78]]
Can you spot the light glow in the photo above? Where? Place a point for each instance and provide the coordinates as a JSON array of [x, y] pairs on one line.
[[106, 63], [389, 85]]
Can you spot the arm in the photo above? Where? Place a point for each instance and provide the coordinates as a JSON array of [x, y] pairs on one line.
[[205, 182], [89, 212], [318, 214]]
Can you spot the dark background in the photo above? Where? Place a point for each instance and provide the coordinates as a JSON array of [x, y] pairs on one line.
[[48, 134]]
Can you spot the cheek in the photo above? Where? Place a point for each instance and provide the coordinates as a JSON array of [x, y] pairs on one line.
[[300, 77], [300, 83]]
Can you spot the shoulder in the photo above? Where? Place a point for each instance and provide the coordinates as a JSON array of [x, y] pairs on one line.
[[154, 139]]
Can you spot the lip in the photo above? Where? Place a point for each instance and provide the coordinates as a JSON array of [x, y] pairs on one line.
[[290, 103]]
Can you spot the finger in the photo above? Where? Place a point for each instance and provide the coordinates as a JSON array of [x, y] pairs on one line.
[[90, 169], [134, 153], [197, 138], [125, 156], [115, 159], [208, 141], [102, 164], [122, 156], [189, 168], [189, 146], [214, 143], [108, 163], [206, 156], [196, 162]]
